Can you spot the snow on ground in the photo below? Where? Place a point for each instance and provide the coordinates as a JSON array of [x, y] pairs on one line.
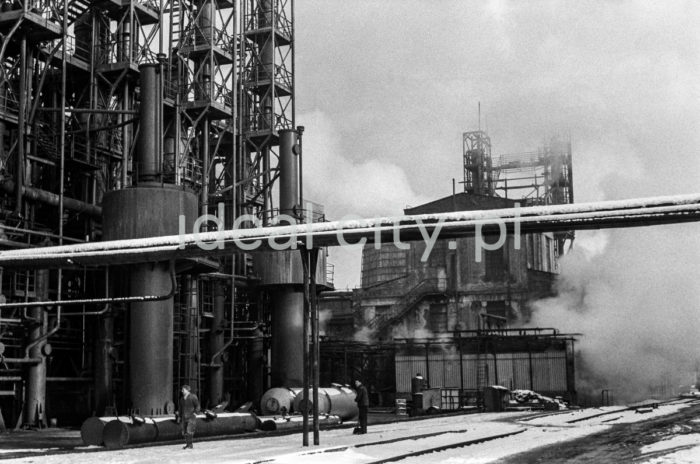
[[497, 449], [688, 450], [608, 415], [339, 445]]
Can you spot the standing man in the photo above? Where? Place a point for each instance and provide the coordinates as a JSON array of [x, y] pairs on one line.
[[362, 401], [189, 406], [418, 384]]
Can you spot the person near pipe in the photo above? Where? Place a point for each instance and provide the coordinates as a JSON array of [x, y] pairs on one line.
[[188, 407], [362, 401]]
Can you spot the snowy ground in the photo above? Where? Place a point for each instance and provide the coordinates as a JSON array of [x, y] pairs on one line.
[[339, 446]]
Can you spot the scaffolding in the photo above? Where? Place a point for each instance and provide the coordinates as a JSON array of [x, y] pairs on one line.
[[70, 95]]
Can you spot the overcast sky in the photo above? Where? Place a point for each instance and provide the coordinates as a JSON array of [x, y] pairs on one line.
[[386, 88]]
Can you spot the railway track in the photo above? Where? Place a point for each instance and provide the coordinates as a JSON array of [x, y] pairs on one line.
[[379, 446]]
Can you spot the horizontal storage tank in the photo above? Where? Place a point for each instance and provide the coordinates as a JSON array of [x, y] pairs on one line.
[[336, 401], [275, 399]]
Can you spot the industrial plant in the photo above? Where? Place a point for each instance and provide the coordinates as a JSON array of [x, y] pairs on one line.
[[148, 148], [135, 119], [457, 312]]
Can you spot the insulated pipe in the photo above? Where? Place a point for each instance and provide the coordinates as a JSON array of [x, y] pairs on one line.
[[118, 433], [293, 423], [35, 194]]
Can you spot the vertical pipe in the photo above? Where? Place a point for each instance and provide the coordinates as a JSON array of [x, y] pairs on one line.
[[103, 359], [305, 338], [151, 339], [427, 362], [147, 146], [300, 130], [461, 363], [35, 393], [103, 364], [204, 194], [21, 126], [529, 357], [191, 332], [288, 347], [314, 336], [216, 343], [288, 177]]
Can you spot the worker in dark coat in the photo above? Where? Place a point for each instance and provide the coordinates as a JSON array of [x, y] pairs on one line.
[[418, 384], [188, 407], [362, 401]]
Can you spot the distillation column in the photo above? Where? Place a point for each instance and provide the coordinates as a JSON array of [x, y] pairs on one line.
[[151, 208]]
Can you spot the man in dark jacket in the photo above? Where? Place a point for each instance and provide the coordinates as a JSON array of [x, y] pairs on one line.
[[189, 406], [362, 401]]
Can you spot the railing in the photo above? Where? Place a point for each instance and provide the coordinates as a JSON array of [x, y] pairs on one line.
[[261, 18], [260, 122], [123, 52], [196, 35], [330, 274], [257, 72], [405, 303]]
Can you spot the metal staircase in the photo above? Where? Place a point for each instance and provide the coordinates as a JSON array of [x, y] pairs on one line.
[[405, 304]]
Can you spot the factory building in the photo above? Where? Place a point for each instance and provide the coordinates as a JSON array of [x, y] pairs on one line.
[[131, 119], [454, 309]]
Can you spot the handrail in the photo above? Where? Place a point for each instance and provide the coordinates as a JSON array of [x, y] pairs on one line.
[[404, 303]]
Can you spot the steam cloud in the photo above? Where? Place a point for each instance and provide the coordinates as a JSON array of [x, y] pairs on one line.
[[348, 188], [636, 305]]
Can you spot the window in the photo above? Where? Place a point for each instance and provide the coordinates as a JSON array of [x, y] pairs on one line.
[[494, 265], [437, 317]]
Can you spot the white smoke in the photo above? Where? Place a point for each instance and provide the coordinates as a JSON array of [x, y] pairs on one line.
[[348, 188], [637, 306]]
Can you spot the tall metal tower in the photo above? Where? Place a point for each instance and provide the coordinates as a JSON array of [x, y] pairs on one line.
[[267, 97], [112, 113], [477, 163]]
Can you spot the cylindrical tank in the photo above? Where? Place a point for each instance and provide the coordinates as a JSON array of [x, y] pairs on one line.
[[148, 159], [336, 401], [289, 177], [287, 337], [147, 211], [277, 398], [118, 434], [92, 429], [151, 340], [342, 402]]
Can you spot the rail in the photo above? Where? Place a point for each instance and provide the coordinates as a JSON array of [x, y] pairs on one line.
[[405, 303]]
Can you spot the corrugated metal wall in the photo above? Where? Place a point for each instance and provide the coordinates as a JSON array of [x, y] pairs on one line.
[[548, 371]]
